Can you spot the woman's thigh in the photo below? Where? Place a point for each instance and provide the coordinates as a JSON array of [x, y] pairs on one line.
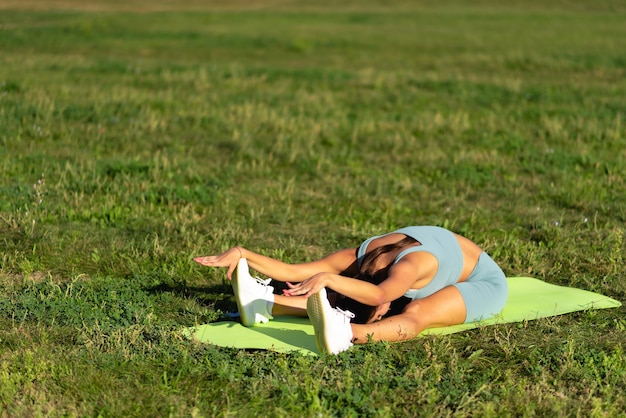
[[443, 308], [486, 290], [483, 299]]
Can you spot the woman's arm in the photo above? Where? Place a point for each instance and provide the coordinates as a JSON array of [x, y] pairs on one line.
[[343, 261], [359, 290], [410, 269]]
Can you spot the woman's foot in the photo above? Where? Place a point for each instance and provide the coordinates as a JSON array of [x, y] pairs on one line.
[[333, 333], [254, 296]]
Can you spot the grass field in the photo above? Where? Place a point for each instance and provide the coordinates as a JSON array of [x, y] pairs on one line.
[[137, 135]]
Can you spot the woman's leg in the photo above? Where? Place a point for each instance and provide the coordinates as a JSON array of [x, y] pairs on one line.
[[295, 305], [446, 307], [289, 305]]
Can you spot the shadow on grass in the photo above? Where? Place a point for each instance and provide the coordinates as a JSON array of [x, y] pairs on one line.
[[219, 297]]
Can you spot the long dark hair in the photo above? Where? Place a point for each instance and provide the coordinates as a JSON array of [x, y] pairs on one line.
[[368, 273]]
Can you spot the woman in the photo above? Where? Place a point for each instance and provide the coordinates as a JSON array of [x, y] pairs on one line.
[[447, 279]]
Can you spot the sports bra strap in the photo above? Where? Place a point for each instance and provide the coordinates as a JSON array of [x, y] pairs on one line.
[[363, 249]]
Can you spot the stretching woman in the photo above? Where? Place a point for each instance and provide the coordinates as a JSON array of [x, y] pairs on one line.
[[447, 279]]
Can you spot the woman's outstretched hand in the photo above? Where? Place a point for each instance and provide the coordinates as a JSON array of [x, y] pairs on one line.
[[307, 287], [228, 259]]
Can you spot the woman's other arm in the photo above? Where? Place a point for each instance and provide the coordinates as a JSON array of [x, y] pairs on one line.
[[343, 261]]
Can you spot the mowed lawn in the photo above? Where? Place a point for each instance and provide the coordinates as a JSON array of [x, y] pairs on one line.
[[137, 135]]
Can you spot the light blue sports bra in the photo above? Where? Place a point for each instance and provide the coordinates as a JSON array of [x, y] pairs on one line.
[[437, 241]]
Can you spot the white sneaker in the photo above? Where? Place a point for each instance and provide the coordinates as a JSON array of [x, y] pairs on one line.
[[254, 296], [333, 333]]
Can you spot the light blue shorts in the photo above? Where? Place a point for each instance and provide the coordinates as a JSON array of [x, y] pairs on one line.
[[485, 291]]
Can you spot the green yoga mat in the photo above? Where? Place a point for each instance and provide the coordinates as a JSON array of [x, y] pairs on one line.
[[528, 299]]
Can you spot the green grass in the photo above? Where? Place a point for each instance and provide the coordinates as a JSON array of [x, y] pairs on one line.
[[132, 141]]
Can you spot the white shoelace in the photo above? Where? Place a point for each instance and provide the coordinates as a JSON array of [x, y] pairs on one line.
[[347, 314], [264, 282]]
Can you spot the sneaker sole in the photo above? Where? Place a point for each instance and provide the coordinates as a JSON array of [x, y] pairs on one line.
[[315, 310]]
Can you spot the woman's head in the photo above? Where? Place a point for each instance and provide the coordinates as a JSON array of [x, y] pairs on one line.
[[375, 269]]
